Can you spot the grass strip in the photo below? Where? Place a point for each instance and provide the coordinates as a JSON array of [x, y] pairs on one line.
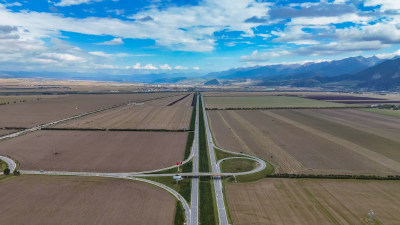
[[179, 214], [222, 155], [189, 143], [204, 165], [3, 165], [269, 170], [207, 207], [193, 119], [238, 165]]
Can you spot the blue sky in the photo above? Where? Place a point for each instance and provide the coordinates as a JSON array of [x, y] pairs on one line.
[[192, 37]]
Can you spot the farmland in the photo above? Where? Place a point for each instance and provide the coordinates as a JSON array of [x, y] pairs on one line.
[[29, 114], [313, 201], [265, 102], [388, 112], [4, 132], [172, 113], [306, 140], [112, 151], [83, 200]]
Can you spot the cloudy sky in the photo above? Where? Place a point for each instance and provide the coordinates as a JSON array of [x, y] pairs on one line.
[[138, 36]]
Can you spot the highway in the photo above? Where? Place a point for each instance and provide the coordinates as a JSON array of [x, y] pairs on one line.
[[194, 200], [218, 188]]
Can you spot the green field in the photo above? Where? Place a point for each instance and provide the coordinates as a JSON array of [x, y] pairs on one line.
[[266, 102], [387, 112], [237, 165], [3, 165]]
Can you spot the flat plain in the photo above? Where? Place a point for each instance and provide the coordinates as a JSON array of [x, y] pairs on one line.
[[172, 113], [312, 201], [322, 141], [388, 112], [265, 102], [32, 113], [4, 132], [83, 200], [111, 151]]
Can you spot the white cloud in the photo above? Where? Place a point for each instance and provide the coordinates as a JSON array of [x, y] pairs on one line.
[[165, 67], [386, 33], [117, 12], [100, 53], [137, 66], [264, 36], [304, 42], [13, 4], [325, 20], [63, 3], [336, 48], [180, 68], [149, 67], [384, 4], [265, 56], [62, 57], [115, 41], [106, 55], [389, 55], [196, 68], [185, 28]]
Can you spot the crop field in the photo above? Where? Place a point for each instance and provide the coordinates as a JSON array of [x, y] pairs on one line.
[[83, 200], [172, 113], [353, 99], [313, 201], [265, 102], [29, 114], [104, 151], [315, 141]]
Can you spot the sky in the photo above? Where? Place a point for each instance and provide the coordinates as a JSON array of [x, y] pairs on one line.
[[188, 36]]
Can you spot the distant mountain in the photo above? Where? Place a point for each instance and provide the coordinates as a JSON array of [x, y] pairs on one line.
[[212, 82], [299, 71], [384, 76]]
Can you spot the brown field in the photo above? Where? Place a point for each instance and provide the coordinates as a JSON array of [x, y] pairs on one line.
[[4, 132], [33, 113], [154, 114], [83, 200], [112, 151], [322, 141], [324, 95], [305, 202]]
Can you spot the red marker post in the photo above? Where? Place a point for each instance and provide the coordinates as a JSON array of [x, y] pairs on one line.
[[178, 163]]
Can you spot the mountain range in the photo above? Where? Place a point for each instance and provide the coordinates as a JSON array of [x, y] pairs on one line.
[[368, 73], [359, 72]]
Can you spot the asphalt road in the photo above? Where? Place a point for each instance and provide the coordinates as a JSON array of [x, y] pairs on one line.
[[11, 164], [222, 215], [194, 202]]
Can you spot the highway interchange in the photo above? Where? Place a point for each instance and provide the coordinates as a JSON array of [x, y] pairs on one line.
[[192, 211]]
